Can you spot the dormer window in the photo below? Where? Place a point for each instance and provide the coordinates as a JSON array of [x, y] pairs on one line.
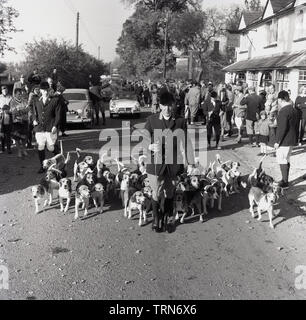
[[300, 31], [271, 32]]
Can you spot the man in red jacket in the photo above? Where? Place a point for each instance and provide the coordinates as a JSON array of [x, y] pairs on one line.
[[286, 135]]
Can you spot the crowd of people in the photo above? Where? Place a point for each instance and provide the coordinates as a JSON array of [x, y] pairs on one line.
[[22, 116], [221, 108], [270, 120]]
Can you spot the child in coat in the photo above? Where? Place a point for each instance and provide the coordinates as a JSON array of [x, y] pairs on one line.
[[6, 126]]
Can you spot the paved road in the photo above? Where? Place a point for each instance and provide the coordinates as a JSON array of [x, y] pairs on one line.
[[108, 257]]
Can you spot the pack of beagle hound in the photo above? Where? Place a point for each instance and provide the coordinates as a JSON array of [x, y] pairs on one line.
[[197, 190]]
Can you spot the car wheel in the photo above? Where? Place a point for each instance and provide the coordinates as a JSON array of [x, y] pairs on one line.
[[111, 116]]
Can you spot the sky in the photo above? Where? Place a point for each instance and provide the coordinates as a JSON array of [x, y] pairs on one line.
[[100, 23]]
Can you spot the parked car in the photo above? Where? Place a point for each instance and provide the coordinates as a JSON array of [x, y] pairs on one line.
[[80, 107], [124, 103]]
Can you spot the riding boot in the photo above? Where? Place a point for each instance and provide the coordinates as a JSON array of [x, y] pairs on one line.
[[42, 157], [155, 210], [285, 174]]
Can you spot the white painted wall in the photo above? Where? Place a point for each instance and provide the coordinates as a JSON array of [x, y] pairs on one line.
[[286, 35]]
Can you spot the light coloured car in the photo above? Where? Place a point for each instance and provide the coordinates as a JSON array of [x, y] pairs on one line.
[[124, 103], [80, 107]]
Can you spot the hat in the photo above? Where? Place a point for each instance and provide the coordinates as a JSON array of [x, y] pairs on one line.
[[3, 87], [44, 86], [263, 112]]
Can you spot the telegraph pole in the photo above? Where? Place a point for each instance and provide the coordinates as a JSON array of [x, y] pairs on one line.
[[77, 31], [99, 53]]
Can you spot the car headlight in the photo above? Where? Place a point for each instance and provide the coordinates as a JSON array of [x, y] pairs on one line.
[[79, 111], [112, 105]]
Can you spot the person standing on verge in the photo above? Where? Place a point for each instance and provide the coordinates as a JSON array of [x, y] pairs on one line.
[[192, 101], [239, 112], [254, 106], [166, 163], [46, 120], [214, 120], [286, 135], [63, 103], [300, 103], [21, 84]]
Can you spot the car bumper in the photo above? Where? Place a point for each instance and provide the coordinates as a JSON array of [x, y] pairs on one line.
[[78, 120], [124, 113]]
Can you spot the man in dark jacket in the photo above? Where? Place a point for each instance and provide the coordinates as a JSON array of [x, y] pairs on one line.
[[286, 135], [214, 120], [254, 105], [46, 120], [166, 135]]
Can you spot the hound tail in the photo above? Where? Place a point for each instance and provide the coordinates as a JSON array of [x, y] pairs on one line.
[[78, 152], [61, 144]]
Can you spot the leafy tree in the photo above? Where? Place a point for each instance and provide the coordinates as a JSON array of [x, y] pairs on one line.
[[73, 67], [7, 16], [141, 45], [196, 31], [160, 5], [253, 5]]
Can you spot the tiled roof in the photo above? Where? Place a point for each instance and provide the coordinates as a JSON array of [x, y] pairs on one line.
[[282, 61], [279, 5], [251, 16]]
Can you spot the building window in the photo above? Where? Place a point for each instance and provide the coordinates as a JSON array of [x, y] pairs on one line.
[[302, 75], [253, 79], [300, 31], [240, 77], [266, 79], [244, 43], [272, 32], [282, 80], [302, 78]]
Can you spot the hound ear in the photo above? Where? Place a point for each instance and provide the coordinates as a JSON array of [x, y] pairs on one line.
[[133, 198]]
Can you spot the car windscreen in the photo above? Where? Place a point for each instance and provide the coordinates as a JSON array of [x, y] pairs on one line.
[[125, 95], [75, 96]]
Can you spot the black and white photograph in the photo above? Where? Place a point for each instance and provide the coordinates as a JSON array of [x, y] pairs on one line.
[[152, 150]]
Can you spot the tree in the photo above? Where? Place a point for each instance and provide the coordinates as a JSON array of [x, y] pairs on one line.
[[73, 67], [253, 5], [141, 44], [160, 5], [196, 31], [7, 16]]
